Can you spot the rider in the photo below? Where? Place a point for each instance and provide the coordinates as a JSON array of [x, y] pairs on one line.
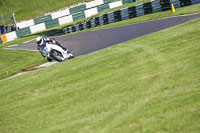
[[41, 44]]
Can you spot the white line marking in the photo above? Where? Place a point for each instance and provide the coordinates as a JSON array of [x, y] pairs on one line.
[[28, 41], [13, 45]]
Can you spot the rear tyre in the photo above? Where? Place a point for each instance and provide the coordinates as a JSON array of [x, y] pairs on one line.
[[71, 56]]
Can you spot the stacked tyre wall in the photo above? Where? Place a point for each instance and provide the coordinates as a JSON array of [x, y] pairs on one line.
[[130, 12]]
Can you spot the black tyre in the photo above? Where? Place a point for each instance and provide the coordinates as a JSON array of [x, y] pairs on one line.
[[56, 55], [65, 30], [71, 57], [49, 59]]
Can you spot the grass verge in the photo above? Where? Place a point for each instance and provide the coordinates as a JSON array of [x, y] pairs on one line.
[[149, 84], [15, 61]]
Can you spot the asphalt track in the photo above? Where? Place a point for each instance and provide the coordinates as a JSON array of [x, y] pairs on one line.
[[84, 43]]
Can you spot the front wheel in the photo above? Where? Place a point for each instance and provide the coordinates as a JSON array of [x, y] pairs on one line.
[[56, 55], [49, 59]]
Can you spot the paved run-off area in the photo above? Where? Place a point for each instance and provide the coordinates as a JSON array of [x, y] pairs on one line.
[[84, 43]]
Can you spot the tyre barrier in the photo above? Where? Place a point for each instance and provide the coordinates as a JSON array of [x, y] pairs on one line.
[[130, 12]]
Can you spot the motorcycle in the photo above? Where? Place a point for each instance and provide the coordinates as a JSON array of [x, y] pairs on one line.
[[55, 52]]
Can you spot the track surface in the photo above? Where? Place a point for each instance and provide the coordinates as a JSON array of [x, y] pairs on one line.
[[84, 43]]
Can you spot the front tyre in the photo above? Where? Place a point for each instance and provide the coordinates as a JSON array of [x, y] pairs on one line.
[[56, 55], [49, 59]]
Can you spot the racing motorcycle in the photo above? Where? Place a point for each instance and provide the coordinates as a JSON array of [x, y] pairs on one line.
[[55, 52]]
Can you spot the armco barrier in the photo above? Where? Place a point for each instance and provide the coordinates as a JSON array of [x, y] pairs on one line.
[[38, 27], [131, 12], [94, 3], [108, 1], [25, 24], [23, 32], [115, 4], [11, 36], [91, 12], [52, 23], [60, 14], [127, 1], [42, 19], [65, 20], [80, 15], [103, 7], [77, 9]]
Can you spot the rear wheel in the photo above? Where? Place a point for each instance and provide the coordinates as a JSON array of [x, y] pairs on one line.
[[56, 55], [71, 56]]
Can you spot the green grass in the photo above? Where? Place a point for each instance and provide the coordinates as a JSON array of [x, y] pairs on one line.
[[14, 61], [146, 85], [28, 9]]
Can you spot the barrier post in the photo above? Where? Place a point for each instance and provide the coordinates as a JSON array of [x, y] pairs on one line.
[[14, 20]]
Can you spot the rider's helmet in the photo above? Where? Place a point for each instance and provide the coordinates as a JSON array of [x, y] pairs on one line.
[[40, 41]]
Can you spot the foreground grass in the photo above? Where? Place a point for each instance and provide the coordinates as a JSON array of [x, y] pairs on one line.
[[14, 61], [149, 84]]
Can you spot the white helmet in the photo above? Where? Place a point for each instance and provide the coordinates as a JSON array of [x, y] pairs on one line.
[[39, 40]]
